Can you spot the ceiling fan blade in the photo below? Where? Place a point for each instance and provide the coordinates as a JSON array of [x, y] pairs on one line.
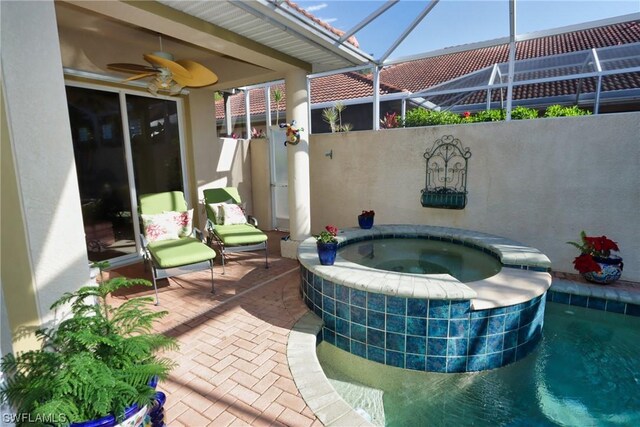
[[141, 76], [201, 75], [130, 68], [175, 68]]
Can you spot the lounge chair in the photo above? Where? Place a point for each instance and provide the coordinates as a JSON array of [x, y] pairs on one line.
[[228, 227], [170, 246]]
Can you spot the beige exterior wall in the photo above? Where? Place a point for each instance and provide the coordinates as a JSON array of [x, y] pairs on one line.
[[216, 162], [537, 181]]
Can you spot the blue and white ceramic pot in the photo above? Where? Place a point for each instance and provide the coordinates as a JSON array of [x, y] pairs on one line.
[[365, 221], [610, 270]]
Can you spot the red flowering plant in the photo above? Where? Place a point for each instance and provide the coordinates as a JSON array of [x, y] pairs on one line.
[[328, 235], [367, 213], [390, 120], [592, 248]]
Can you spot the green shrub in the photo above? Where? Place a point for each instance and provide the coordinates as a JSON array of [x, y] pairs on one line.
[[422, 117], [524, 113], [560, 111], [489, 116]]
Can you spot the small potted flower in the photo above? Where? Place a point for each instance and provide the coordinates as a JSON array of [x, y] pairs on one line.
[[595, 262], [365, 219], [327, 245]]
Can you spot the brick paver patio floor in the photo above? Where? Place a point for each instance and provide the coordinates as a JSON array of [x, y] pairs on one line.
[[231, 366]]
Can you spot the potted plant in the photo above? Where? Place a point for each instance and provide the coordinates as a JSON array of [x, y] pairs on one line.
[[595, 262], [98, 364], [365, 219], [327, 245]]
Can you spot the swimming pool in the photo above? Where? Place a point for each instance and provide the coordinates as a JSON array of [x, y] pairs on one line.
[[585, 372]]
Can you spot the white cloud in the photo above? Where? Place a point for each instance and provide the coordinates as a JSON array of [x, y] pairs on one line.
[[329, 20], [316, 7]]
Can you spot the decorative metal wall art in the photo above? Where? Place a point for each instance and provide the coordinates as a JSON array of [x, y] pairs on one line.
[[446, 175]]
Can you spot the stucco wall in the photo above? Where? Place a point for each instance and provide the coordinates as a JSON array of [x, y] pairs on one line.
[[539, 181], [216, 162]]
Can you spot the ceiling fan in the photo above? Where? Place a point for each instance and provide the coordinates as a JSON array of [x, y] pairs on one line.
[[169, 75]]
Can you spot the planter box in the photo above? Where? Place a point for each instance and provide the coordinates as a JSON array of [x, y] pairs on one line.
[[444, 199]]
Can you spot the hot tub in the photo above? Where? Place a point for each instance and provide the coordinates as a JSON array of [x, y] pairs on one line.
[[434, 321]]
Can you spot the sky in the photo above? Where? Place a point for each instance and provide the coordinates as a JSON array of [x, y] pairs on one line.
[[456, 22]]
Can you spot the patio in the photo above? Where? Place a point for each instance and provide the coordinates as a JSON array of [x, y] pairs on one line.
[[232, 364]]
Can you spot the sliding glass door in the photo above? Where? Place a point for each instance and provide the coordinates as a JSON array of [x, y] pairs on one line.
[[114, 165]]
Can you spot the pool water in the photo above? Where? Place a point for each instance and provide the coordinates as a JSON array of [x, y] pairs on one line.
[[585, 372], [422, 256]]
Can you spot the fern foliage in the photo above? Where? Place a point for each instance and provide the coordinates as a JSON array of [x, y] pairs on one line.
[[97, 362]]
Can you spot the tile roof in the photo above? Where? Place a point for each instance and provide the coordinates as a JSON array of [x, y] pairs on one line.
[[423, 73], [323, 89]]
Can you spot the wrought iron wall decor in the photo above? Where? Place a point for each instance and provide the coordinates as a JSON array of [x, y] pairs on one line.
[[446, 175]]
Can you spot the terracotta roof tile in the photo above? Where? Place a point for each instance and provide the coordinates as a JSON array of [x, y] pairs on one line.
[[325, 25]]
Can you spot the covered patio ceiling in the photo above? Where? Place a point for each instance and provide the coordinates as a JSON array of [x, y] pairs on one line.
[[243, 42]]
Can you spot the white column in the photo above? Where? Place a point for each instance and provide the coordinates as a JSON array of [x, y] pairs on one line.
[[48, 200], [298, 163]]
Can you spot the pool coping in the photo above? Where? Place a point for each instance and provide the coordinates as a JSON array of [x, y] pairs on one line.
[[518, 261], [316, 390]]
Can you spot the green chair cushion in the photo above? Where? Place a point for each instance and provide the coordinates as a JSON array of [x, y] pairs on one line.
[[159, 202], [239, 234], [176, 253]]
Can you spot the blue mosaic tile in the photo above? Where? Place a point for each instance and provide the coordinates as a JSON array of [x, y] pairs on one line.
[[396, 342], [342, 294], [456, 364], [438, 309], [343, 327], [597, 303], [417, 307], [396, 323], [317, 310], [437, 346], [436, 364], [457, 347], [494, 360], [478, 345], [633, 309], [616, 306], [330, 321], [396, 305], [359, 349], [375, 302], [329, 336], [415, 362], [375, 319], [495, 343], [375, 337], [416, 326], [511, 321], [317, 283], [395, 358], [477, 363], [508, 356], [458, 328], [498, 311], [343, 310], [329, 305], [526, 333], [579, 300], [358, 332], [416, 345], [343, 343], [328, 288], [479, 314], [317, 299], [561, 298], [358, 298], [496, 325], [375, 354], [358, 315], [459, 309], [479, 326], [438, 327], [510, 339]]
